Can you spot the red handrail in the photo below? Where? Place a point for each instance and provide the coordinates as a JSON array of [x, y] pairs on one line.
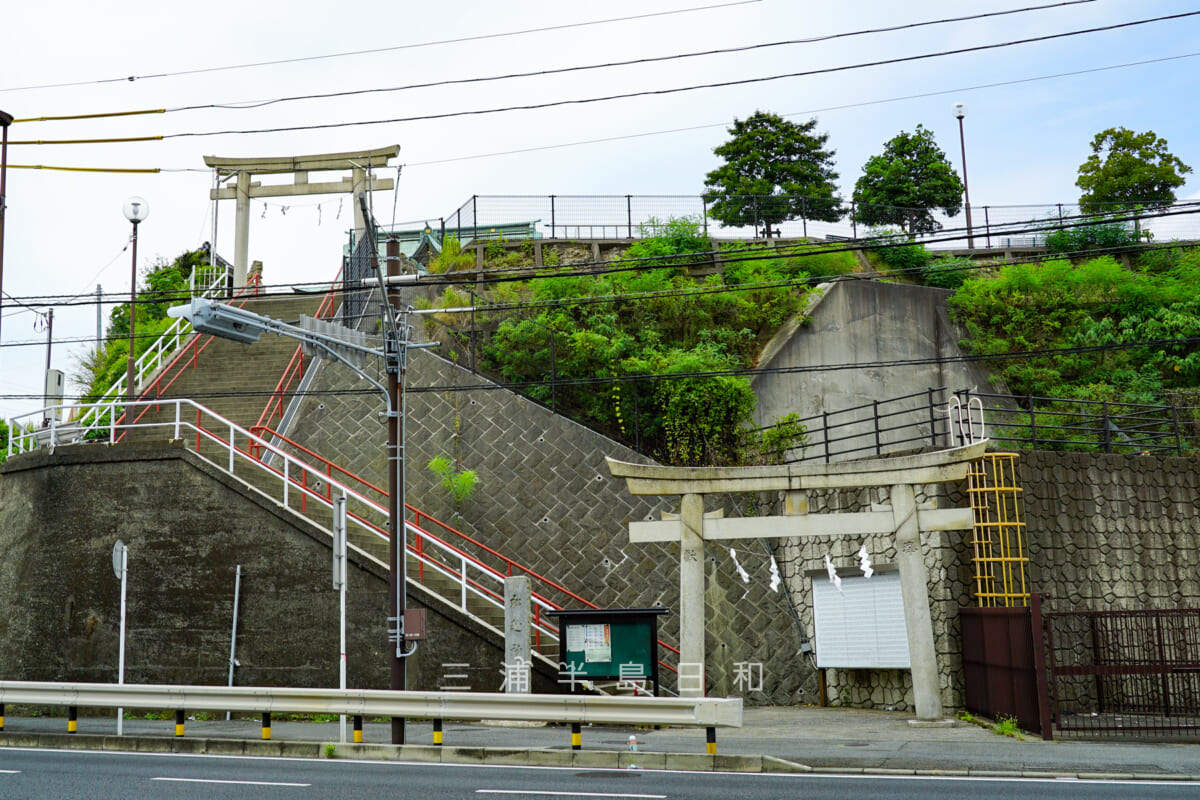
[[419, 517], [295, 367]]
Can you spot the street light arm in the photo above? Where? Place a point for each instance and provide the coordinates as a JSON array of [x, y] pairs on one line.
[[240, 325]]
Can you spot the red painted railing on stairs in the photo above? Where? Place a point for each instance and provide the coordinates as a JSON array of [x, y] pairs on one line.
[[295, 368], [448, 534]]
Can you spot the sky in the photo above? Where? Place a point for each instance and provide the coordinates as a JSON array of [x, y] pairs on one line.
[[65, 231]]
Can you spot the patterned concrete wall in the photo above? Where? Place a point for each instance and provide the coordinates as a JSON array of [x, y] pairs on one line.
[[545, 499], [1113, 531], [946, 557], [1102, 532]]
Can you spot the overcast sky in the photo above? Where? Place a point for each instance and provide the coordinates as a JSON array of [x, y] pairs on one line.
[[65, 232]]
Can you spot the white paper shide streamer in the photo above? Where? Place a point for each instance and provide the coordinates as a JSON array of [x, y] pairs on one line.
[[864, 562], [834, 578], [745, 576]]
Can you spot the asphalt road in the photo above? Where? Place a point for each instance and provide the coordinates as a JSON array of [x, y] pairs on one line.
[[89, 774]]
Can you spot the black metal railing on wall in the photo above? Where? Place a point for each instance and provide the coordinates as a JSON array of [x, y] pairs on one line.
[[1012, 422], [636, 216]]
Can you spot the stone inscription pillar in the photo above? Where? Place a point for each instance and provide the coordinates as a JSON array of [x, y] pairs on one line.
[[516, 628], [691, 593]]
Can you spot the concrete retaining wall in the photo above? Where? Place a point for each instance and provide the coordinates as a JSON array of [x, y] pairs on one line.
[[188, 526], [545, 499]]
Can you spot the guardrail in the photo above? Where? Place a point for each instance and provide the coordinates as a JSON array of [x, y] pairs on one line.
[[1022, 422], [706, 712], [636, 216]]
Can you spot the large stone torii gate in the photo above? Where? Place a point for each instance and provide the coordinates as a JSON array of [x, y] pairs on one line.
[[243, 188], [905, 521]]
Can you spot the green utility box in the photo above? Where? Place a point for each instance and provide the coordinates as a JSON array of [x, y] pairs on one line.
[[608, 644]]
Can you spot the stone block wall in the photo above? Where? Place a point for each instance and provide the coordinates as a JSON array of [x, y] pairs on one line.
[[945, 554], [544, 498], [188, 527], [1113, 531], [1102, 532]]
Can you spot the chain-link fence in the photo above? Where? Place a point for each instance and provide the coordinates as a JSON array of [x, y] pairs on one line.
[[637, 216]]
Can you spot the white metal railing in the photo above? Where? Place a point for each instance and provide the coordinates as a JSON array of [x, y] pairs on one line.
[[471, 577], [707, 712], [146, 365]]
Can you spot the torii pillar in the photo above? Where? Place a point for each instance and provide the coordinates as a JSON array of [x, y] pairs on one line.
[[906, 521], [243, 188]]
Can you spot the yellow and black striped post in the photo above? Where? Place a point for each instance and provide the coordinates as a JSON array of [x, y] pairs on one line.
[[266, 724], [72, 719], [1, 716], [437, 732], [358, 729], [710, 737], [576, 737], [180, 722]]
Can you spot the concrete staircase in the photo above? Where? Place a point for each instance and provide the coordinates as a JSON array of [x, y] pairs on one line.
[[234, 381]]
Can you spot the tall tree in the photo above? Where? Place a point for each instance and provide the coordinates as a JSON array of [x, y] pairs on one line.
[[905, 183], [774, 171], [1129, 170]]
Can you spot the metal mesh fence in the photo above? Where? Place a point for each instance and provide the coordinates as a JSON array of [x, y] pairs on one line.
[[637, 216]]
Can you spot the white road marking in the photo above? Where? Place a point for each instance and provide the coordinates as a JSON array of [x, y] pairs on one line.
[[531, 792], [231, 783], [10, 772]]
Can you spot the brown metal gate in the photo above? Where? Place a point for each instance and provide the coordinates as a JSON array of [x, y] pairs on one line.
[[1125, 673], [1005, 671]]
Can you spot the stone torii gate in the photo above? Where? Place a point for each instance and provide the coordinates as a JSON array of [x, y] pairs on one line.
[[243, 188], [905, 521]]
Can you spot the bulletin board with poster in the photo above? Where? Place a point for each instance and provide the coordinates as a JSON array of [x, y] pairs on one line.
[[608, 645]]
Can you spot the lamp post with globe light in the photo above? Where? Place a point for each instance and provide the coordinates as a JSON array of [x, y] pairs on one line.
[[960, 111], [136, 210]]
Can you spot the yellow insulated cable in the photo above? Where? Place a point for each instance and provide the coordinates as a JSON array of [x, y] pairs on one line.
[[84, 169], [95, 116], [89, 141]]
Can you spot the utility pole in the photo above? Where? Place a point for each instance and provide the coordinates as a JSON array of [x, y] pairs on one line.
[[5, 120]]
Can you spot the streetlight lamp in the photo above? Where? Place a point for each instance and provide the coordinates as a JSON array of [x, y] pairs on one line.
[[136, 210], [960, 111]]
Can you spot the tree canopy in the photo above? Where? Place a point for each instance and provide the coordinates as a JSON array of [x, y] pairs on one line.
[[1127, 170], [905, 183], [774, 170]]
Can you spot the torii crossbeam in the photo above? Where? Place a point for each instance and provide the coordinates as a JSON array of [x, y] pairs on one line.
[[905, 520], [244, 188]]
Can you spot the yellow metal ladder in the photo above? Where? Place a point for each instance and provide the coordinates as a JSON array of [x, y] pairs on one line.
[[998, 555]]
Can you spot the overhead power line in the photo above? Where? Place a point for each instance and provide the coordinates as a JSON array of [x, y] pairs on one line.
[[703, 375], [840, 107], [689, 88], [414, 45], [246, 105]]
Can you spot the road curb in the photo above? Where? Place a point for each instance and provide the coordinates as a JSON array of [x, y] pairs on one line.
[[536, 757]]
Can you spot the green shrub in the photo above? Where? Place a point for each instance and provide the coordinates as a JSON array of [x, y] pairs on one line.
[[899, 254], [947, 272], [1091, 237]]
